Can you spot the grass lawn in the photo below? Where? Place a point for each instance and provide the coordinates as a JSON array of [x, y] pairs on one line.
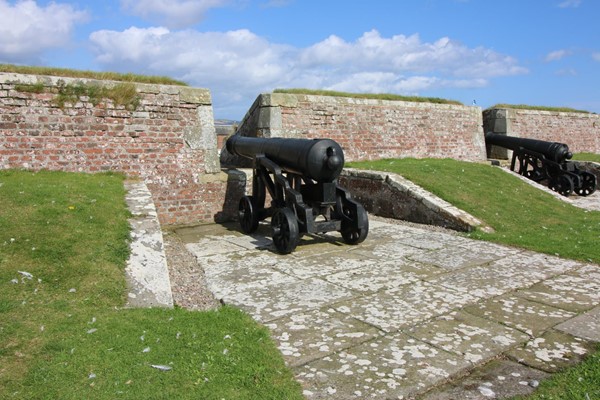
[[64, 333], [522, 216]]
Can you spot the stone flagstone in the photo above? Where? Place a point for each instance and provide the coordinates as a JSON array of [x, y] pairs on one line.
[[585, 326], [552, 351], [527, 316], [395, 366], [475, 339], [300, 342], [407, 310], [499, 379]]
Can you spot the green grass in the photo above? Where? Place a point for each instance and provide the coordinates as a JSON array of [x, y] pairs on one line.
[[123, 94], [540, 108], [524, 217], [375, 96], [64, 333], [587, 157], [72, 73]]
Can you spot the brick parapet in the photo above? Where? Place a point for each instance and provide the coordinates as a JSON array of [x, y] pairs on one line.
[[169, 141], [370, 129]]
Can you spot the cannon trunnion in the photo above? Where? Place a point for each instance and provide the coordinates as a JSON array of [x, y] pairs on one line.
[[301, 178], [546, 163]]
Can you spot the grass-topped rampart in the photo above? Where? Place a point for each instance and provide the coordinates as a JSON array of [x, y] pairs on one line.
[[374, 96], [540, 108], [123, 93], [73, 73]]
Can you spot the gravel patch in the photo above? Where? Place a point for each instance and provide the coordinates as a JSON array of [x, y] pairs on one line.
[[187, 277]]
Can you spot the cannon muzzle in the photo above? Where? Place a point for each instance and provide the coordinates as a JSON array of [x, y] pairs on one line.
[[557, 152], [319, 159]]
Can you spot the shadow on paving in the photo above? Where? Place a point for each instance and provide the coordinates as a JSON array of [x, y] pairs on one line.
[[408, 310]]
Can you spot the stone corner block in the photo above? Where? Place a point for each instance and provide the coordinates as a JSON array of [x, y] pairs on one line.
[[195, 95]]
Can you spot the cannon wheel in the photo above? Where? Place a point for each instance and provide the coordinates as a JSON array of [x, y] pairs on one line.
[[350, 234], [562, 184], [286, 234], [247, 214], [588, 184]]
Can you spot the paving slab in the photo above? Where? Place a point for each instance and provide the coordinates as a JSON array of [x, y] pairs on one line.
[[391, 367], [498, 379], [407, 310], [497, 277], [373, 277], [552, 351], [527, 316], [577, 291], [301, 343], [454, 257], [475, 339], [393, 309], [586, 326]]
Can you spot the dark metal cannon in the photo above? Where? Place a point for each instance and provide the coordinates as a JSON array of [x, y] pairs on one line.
[[546, 163], [301, 178]]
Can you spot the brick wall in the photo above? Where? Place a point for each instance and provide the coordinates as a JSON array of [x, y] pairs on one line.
[[371, 129], [168, 141], [580, 131]]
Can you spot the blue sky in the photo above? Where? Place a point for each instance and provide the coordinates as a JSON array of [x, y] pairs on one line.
[[537, 52]]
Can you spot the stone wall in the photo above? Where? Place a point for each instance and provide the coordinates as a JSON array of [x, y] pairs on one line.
[[371, 129], [392, 196], [580, 131], [168, 140]]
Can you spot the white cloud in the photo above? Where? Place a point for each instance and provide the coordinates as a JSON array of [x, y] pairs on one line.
[[556, 55], [172, 13], [27, 30], [238, 65], [566, 72], [409, 53], [570, 4]]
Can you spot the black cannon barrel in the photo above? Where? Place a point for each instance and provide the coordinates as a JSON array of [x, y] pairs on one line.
[[557, 152], [319, 159]]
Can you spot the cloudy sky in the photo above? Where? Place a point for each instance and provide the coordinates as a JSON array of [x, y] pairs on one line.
[[537, 52]]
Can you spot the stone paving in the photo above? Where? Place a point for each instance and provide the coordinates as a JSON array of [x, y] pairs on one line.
[[410, 313]]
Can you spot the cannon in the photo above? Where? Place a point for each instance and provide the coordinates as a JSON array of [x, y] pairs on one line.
[[301, 178], [546, 163]]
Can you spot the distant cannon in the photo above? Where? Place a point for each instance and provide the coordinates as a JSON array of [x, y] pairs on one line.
[[301, 177], [546, 163]]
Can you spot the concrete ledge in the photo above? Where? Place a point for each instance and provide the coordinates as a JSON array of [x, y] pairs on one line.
[[393, 196], [146, 272]]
